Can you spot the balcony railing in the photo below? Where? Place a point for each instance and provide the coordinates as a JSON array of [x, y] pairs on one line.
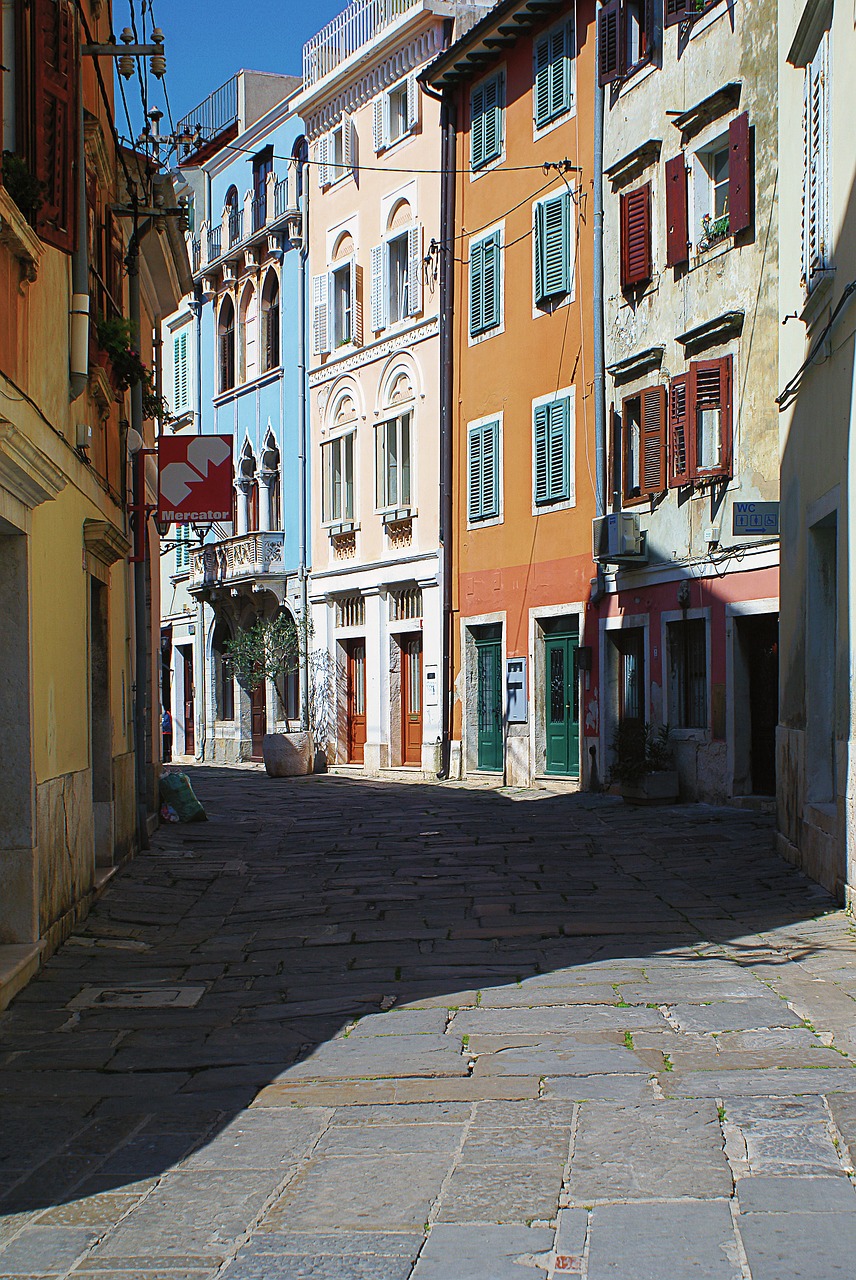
[[241, 559], [280, 198], [215, 236], [259, 211], [195, 254], [215, 115], [236, 227], [348, 32]]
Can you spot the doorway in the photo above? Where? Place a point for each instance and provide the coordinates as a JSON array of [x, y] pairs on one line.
[[356, 658], [258, 720], [758, 694], [189, 708], [411, 699], [562, 701], [489, 702]]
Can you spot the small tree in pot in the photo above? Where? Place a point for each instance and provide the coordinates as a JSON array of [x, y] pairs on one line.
[[271, 649], [643, 765]]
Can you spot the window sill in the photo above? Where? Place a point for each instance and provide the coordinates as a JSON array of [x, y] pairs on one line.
[[817, 296], [715, 250], [635, 76], [487, 167], [337, 529], [395, 515], [541, 131]]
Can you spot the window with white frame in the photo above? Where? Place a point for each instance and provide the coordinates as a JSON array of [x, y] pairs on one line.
[[552, 451], [336, 308], [182, 548], [337, 479], [711, 192], [395, 113], [815, 212], [483, 471], [180, 373], [334, 153], [396, 285], [394, 453], [554, 248], [485, 283], [342, 309], [486, 121], [687, 650], [553, 89]]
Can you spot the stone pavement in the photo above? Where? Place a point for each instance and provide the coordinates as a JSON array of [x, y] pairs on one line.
[[363, 1031]]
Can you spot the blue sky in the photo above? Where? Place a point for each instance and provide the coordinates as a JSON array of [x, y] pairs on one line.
[[207, 41]]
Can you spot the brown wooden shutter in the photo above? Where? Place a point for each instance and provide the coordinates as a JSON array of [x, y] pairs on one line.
[[55, 118], [680, 469], [674, 11], [710, 388], [739, 174], [653, 437], [677, 212], [636, 236], [608, 43]]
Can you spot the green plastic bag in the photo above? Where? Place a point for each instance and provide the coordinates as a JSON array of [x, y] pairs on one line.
[[175, 789]]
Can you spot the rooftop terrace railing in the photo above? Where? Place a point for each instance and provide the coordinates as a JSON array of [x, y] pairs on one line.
[[215, 115], [348, 32]]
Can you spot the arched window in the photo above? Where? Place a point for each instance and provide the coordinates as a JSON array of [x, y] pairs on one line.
[[300, 154], [270, 323], [248, 347], [233, 214], [224, 680], [248, 491], [226, 342], [271, 514]]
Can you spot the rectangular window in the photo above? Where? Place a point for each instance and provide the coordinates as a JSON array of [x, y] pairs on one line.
[[625, 38], [394, 454], [397, 279], [180, 379], [688, 673], [342, 306], [635, 247], [551, 452], [334, 153], [483, 471], [398, 124], [395, 113], [262, 166], [553, 247], [486, 103], [553, 88], [182, 547], [815, 229], [643, 444], [485, 296], [338, 479]]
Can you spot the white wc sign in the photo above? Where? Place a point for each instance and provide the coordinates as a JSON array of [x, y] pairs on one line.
[[755, 518]]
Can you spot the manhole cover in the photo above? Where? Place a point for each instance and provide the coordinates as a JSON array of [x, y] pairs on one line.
[[137, 997]]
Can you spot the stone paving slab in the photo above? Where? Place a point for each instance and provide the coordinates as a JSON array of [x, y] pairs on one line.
[[429, 1017]]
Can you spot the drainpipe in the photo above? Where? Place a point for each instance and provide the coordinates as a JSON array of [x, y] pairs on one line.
[[302, 504], [79, 343], [597, 302]]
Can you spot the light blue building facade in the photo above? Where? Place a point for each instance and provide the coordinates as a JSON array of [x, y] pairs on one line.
[[235, 356]]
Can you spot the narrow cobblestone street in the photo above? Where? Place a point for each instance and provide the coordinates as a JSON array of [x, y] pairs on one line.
[[360, 1031]]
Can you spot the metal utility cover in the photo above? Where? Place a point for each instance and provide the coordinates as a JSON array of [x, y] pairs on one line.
[[137, 997]]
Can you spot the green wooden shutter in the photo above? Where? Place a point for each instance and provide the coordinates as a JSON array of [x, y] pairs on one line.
[[551, 452], [476, 287], [540, 460], [490, 471], [541, 88], [477, 127], [490, 282], [552, 247], [492, 119], [474, 473], [560, 72]]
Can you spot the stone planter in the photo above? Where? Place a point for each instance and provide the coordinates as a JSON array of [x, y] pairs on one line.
[[288, 755], [653, 788]]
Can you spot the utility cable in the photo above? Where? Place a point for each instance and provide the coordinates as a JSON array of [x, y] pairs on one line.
[[792, 387]]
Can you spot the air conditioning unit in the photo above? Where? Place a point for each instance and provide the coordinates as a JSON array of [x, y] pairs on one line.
[[617, 538]]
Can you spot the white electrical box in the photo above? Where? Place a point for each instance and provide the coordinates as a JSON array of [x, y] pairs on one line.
[[517, 710], [618, 537], [431, 686]]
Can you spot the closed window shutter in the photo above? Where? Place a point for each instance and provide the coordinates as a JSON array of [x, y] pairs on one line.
[[414, 270], [491, 282], [492, 119], [560, 71], [322, 152], [710, 389], [179, 352], [636, 236], [674, 11], [815, 137], [476, 288], [552, 235], [542, 82], [539, 252], [412, 102], [320, 303], [55, 119], [347, 144], [490, 471], [653, 468], [477, 127], [540, 466], [356, 304], [474, 473], [739, 174], [680, 466], [609, 61], [677, 212], [378, 133], [551, 452], [377, 289]]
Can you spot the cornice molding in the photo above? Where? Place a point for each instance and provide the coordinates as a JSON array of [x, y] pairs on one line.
[[19, 237], [105, 542], [25, 471], [376, 351]]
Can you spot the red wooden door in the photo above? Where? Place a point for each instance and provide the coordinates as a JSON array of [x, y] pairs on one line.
[[258, 720], [189, 711], [356, 701], [411, 699]]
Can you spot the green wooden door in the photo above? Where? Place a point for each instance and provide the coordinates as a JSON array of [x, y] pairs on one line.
[[563, 706], [489, 704]]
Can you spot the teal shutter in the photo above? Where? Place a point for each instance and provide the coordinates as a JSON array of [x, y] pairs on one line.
[[483, 472], [552, 247], [477, 127], [551, 452], [552, 88], [476, 287], [486, 122], [484, 284], [542, 82]]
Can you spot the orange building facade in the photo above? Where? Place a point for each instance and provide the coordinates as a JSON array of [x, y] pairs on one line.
[[519, 92]]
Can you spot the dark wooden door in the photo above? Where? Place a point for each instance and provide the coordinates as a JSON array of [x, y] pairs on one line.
[[761, 635], [258, 720], [356, 701], [189, 711], [489, 704], [563, 713], [411, 699], [631, 679]]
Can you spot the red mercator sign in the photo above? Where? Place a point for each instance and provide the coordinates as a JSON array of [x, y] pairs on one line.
[[194, 478]]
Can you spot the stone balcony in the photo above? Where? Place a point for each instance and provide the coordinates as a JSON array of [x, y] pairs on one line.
[[250, 560]]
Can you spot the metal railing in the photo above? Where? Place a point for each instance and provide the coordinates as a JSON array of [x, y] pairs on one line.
[[215, 236], [238, 559], [259, 211], [215, 115], [348, 32], [280, 198], [195, 254], [236, 227]]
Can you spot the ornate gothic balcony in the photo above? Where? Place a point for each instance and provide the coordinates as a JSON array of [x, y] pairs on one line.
[[250, 559]]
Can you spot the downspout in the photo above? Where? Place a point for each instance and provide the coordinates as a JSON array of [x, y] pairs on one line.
[[196, 308], [302, 504], [79, 337], [597, 299], [448, 126]]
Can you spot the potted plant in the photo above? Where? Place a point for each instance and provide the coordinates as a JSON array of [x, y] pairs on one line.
[[27, 191], [117, 339], [271, 649], [643, 765]]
